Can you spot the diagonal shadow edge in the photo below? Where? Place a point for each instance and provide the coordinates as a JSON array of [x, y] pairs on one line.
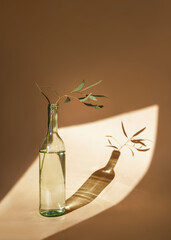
[[96, 121]]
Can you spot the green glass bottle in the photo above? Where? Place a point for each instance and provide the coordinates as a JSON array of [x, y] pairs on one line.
[[52, 169]]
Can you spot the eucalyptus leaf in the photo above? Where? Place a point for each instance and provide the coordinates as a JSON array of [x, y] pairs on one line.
[[79, 87], [99, 95], [83, 99], [42, 92], [67, 100], [94, 106], [91, 85], [93, 97]]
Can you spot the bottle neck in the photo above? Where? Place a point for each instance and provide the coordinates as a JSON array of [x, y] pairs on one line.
[[52, 118], [113, 160]]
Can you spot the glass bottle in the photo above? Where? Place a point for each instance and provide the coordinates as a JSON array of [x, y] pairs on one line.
[[52, 169]]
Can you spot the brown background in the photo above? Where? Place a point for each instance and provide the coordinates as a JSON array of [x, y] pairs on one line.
[[59, 43]]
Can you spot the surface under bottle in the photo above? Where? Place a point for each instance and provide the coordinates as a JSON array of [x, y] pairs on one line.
[[52, 183]]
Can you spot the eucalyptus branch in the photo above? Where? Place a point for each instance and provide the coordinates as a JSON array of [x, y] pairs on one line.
[[48, 134], [66, 95], [84, 96]]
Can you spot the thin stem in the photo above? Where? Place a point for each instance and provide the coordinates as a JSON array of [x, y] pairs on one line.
[[66, 95], [42, 165], [72, 97], [47, 144], [79, 92], [58, 100]]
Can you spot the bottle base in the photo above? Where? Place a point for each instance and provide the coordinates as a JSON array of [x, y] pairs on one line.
[[52, 212]]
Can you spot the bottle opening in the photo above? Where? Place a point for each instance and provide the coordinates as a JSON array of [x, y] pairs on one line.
[[52, 106]]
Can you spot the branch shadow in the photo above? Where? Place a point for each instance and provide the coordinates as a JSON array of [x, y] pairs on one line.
[[94, 185]]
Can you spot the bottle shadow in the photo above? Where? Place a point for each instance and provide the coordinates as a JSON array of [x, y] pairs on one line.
[[94, 185]]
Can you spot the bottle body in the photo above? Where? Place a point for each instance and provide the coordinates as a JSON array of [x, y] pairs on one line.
[[52, 170]]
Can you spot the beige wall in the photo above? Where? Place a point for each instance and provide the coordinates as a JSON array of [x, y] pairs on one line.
[[60, 43]]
